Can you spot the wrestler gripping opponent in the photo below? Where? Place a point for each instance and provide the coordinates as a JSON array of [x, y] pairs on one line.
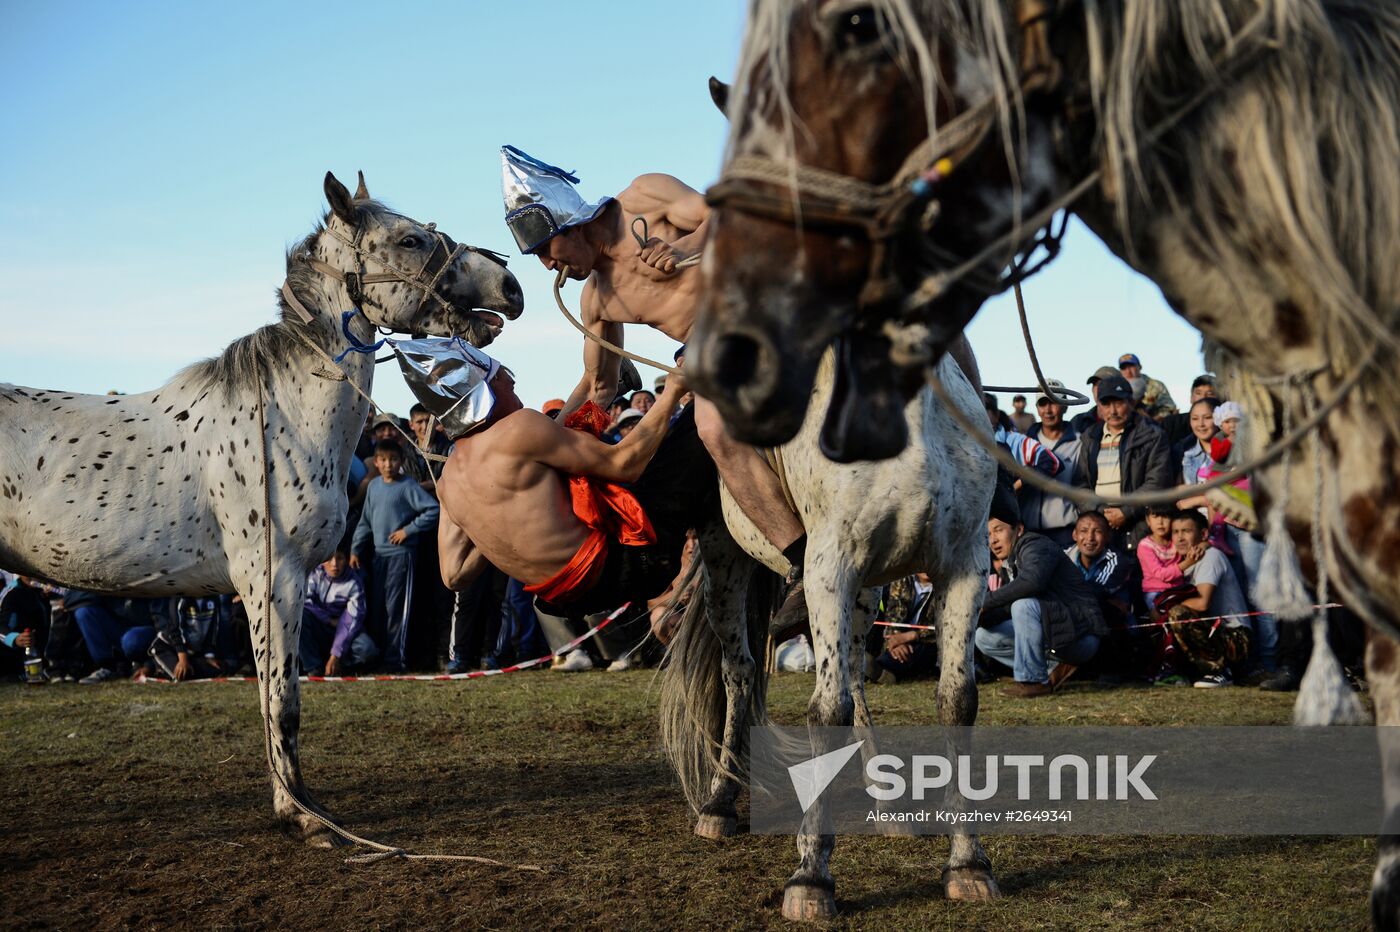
[[630, 284], [584, 524]]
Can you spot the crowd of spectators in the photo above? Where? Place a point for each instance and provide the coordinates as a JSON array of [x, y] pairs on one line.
[[1121, 593], [1161, 595], [377, 605]]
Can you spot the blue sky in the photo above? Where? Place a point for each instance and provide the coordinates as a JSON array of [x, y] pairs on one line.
[[160, 156]]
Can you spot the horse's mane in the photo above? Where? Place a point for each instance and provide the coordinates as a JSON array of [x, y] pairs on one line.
[[271, 345], [1314, 119]]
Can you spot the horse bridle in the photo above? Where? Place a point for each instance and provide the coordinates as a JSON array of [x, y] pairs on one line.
[[425, 280], [832, 201]]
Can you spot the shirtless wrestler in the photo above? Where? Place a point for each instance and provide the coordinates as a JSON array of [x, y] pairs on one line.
[[506, 489], [628, 284]]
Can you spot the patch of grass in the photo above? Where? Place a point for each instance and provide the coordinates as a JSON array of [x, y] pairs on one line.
[[148, 806]]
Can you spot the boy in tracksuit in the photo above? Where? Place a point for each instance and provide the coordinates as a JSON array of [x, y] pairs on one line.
[[396, 513]]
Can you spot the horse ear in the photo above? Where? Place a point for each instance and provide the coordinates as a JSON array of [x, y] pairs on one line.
[[361, 193], [719, 93], [339, 198]]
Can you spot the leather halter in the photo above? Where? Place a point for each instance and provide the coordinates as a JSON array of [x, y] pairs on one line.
[[827, 200], [425, 280]]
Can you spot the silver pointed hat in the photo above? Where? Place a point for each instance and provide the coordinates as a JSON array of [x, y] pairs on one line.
[[451, 378], [541, 200]]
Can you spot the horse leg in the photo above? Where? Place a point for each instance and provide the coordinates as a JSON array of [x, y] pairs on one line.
[[728, 571], [866, 605], [968, 875], [1383, 678], [276, 631], [810, 893]]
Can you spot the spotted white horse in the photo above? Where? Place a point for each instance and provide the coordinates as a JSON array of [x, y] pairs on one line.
[[867, 523], [163, 493]]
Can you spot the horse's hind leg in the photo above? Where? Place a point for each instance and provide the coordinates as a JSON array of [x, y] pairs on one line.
[[275, 636], [810, 893], [728, 572], [968, 875], [1383, 678], [867, 604]]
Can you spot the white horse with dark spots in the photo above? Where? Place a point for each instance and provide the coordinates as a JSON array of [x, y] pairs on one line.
[[164, 493], [867, 524]]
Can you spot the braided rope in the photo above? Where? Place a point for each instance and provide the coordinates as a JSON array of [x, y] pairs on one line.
[[601, 341]]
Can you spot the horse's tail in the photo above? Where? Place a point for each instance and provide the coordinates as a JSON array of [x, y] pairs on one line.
[[692, 701]]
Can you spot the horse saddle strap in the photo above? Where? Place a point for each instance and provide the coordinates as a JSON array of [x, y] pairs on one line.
[[774, 457]]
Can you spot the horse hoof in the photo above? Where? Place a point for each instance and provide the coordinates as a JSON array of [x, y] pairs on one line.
[[970, 885], [715, 827], [315, 834], [805, 903]]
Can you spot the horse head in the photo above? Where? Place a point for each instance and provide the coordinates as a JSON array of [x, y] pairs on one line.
[[409, 276], [853, 167]]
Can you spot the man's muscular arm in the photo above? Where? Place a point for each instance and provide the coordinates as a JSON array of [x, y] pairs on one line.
[[675, 202], [574, 453], [601, 366], [458, 559]]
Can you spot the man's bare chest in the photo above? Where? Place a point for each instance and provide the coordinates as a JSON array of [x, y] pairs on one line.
[[638, 294]]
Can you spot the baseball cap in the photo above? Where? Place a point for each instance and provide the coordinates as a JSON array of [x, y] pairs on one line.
[[1102, 372], [659, 384], [553, 404], [628, 416], [385, 418], [1115, 387], [1129, 359]]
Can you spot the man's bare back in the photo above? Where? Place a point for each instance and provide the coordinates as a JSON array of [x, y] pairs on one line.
[[504, 491], [514, 508]]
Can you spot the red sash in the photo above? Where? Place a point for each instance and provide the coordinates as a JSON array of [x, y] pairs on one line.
[[610, 511]]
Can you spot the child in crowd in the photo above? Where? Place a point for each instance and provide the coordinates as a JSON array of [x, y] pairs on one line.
[[1161, 565], [397, 512], [24, 622], [333, 618]]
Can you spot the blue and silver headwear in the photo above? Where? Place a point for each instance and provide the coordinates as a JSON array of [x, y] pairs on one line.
[[452, 380], [541, 200]]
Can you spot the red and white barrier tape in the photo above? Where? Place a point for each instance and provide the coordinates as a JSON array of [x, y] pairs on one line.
[[425, 677], [1149, 624]]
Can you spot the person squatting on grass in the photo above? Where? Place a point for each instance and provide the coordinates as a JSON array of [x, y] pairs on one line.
[[1045, 620], [333, 636]]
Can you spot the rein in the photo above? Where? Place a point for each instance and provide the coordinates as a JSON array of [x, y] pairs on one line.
[[606, 344]]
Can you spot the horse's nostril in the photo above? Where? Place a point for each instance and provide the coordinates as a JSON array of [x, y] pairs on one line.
[[736, 359], [512, 291]]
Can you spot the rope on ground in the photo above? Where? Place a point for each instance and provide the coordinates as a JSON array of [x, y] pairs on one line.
[[265, 679], [425, 677]]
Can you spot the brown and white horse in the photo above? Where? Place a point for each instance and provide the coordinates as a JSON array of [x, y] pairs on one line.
[[892, 162]]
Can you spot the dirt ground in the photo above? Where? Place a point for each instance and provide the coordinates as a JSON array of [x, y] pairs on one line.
[[147, 806]]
